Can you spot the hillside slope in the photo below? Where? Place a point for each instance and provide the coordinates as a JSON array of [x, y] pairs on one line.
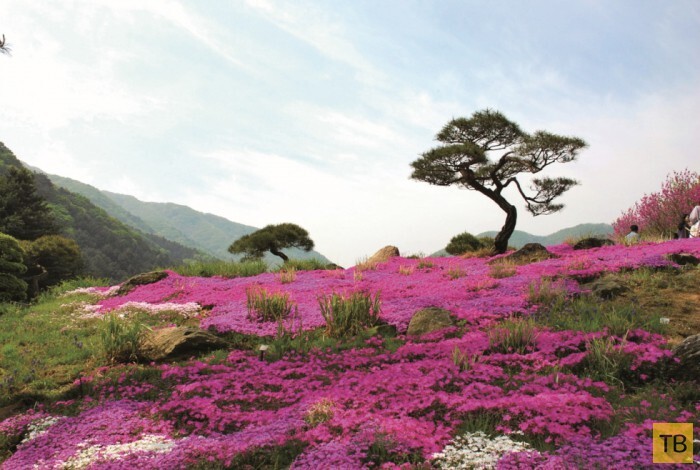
[[110, 248], [206, 232]]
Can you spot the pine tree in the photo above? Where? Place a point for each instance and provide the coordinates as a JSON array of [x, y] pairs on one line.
[[24, 214]]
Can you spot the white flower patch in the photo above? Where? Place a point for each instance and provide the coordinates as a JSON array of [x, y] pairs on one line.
[[39, 427], [476, 450], [186, 310], [92, 291], [90, 454]]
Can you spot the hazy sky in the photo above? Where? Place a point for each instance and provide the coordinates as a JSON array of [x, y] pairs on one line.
[[312, 111]]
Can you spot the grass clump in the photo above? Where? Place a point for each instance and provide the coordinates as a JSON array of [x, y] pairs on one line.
[[225, 269], [264, 306], [121, 338], [546, 292], [455, 272], [349, 315], [503, 269], [287, 275], [513, 336]]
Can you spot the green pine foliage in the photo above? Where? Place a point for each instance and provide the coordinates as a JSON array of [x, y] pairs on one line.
[[273, 238], [24, 214]]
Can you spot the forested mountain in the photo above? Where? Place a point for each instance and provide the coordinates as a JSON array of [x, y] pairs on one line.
[[206, 232], [109, 247]]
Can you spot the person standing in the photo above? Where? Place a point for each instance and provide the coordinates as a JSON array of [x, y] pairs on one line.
[[694, 216], [684, 227], [633, 236]]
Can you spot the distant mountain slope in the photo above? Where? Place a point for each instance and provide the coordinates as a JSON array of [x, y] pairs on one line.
[[206, 232], [110, 248], [520, 238]]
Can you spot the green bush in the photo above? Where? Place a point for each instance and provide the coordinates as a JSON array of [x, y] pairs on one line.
[[59, 256], [349, 315], [463, 243], [12, 288]]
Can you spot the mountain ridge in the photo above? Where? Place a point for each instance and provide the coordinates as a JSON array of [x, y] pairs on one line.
[[209, 233]]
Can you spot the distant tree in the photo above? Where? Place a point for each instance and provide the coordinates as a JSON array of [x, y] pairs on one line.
[[51, 259], [4, 47], [24, 214], [658, 214], [487, 153], [12, 288], [273, 238], [463, 243]]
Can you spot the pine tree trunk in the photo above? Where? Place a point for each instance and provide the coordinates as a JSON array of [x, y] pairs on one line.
[[277, 252], [501, 241]]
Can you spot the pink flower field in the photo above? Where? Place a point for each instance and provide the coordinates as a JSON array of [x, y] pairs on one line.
[[393, 401]]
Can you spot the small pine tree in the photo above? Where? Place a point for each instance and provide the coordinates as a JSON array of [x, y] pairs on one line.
[[273, 238], [24, 214], [12, 288]]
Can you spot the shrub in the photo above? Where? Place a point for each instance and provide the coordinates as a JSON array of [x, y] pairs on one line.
[[658, 214], [462, 243], [12, 288], [264, 306], [59, 256], [349, 315]]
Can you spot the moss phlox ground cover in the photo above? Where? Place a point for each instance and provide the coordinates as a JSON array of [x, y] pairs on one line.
[[339, 407]]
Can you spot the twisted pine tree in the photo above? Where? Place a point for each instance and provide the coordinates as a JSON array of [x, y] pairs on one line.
[[487, 153], [273, 238]]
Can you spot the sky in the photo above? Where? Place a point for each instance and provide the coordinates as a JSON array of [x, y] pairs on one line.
[[311, 112]]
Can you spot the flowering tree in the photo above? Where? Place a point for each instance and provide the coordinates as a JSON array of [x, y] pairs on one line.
[[464, 158], [658, 214]]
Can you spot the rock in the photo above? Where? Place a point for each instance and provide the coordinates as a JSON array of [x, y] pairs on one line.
[[592, 242], [384, 255], [428, 320], [683, 259], [141, 280], [607, 288], [179, 342], [689, 354], [530, 253]]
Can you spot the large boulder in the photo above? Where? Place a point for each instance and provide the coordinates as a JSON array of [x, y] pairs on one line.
[[689, 354], [179, 342], [530, 253], [428, 320], [592, 242], [141, 280], [608, 288], [384, 255]]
